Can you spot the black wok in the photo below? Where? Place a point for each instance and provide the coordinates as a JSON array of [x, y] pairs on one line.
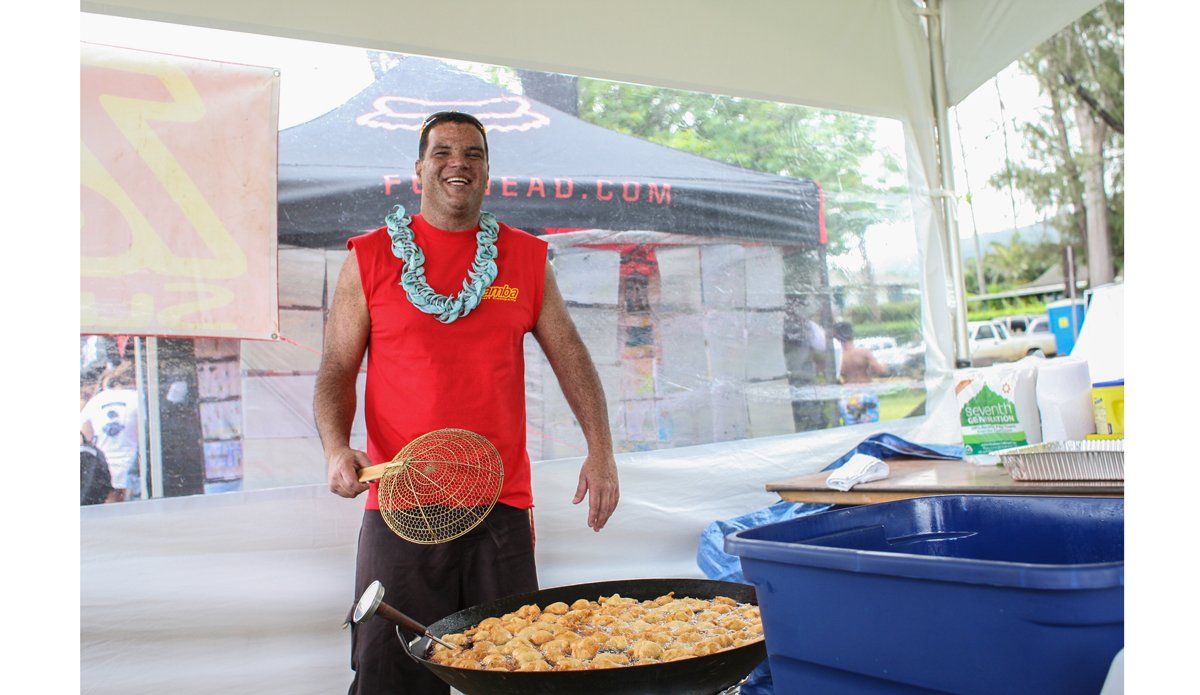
[[703, 675]]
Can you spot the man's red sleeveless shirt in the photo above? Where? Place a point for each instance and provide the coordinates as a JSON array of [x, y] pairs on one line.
[[424, 375]]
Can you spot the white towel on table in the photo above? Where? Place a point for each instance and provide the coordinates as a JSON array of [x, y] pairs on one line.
[[859, 469]]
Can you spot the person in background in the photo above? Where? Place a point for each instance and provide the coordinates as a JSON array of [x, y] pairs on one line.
[[804, 347], [448, 360], [858, 366], [95, 481], [89, 384], [109, 422]]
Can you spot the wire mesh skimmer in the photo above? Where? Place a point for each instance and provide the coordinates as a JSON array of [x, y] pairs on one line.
[[439, 487]]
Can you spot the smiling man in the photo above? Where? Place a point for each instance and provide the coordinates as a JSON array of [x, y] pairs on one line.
[[440, 303]]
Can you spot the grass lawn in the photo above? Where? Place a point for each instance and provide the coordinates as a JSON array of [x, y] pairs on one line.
[[898, 404]]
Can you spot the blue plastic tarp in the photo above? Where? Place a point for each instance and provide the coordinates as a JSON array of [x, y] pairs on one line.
[[719, 565]]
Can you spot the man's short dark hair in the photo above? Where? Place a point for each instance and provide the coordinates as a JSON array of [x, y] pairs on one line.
[[843, 330], [449, 117]]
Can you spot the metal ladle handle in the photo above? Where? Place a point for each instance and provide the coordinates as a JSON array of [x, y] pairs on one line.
[[371, 604]]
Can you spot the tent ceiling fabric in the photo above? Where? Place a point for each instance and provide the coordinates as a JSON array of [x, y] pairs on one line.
[[849, 55], [982, 38]]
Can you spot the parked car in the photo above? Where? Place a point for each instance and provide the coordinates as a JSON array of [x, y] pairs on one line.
[[1017, 323], [900, 360], [990, 343], [914, 358], [1033, 330], [876, 344], [1040, 336]]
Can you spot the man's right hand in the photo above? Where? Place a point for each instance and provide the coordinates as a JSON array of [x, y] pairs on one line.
[[344, 465]]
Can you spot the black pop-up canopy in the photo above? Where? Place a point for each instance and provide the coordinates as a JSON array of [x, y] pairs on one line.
[[340, 174]]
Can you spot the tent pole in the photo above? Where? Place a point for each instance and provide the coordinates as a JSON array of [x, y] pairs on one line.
[[143, 451], [937, 60], [152, 396], [828, 407]]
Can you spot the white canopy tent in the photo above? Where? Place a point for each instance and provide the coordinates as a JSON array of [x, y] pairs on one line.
[[233, 594]]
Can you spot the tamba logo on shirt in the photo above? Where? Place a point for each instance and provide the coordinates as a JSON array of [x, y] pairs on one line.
[[508, 294]]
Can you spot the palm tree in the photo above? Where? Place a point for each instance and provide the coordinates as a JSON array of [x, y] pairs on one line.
[[1009, 261]]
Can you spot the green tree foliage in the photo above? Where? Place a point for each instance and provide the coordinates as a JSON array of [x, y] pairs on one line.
[[892, 311], [829, 147], [1008, 307], [1081, 73], [1015, 263]]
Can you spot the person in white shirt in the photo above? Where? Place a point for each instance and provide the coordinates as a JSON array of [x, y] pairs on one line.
[[109, 421]]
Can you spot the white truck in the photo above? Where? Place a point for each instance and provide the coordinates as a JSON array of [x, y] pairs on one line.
[[990, 342], [1033, 329], [1040, 336]]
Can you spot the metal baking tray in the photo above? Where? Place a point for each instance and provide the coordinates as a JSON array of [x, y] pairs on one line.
[[1092, 459]]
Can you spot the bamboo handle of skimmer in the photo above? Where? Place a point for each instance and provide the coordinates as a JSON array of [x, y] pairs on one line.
[[366, 475]]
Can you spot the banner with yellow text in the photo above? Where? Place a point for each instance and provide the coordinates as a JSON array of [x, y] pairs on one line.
[[178, 161]]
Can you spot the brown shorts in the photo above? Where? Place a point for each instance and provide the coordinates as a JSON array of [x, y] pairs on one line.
[[428, 583]]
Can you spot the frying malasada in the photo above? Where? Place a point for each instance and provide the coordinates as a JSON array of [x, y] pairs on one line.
[[610, 632]]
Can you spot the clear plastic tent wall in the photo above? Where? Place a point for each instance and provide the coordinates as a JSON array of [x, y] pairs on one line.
[[697, 340]]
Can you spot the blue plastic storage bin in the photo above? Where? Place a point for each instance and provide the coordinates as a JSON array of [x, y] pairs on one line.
[[954, 594]]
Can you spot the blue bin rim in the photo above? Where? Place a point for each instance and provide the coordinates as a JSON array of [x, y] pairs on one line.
[[1021, 575]]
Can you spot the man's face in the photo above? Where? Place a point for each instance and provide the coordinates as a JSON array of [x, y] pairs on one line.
[[454, 171]]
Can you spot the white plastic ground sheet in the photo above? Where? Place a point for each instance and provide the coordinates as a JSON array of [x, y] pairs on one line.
[[245, 592]]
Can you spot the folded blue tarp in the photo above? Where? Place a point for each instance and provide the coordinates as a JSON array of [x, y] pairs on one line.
[[889, 446]]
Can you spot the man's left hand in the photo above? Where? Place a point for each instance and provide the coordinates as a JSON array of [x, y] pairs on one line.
[[598, 481]]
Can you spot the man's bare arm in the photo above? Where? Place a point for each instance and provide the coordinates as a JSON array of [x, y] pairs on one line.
[[335, 397], [568, 356]]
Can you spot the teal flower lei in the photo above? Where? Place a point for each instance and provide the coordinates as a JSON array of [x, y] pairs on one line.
[[482, 274]]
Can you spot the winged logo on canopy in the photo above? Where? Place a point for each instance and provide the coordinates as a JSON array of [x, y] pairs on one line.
[[502, 113]]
